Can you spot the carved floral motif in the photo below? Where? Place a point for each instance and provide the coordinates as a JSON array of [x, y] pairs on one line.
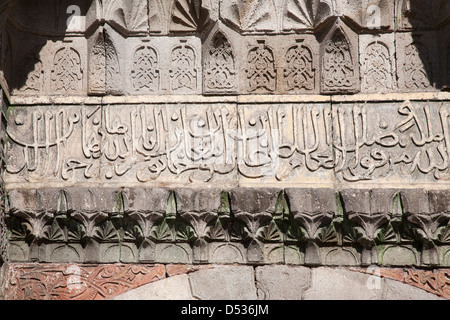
[[184, 70], [67, 73], [220, 69], [338, 71], [145, 75], [377, 68], [77, 282], [261, 71], [299, 73]]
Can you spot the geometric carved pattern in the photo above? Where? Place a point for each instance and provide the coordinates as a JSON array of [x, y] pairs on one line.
[[338, 71], [220, 70], [145, 73], [300, 72], [261, 71], [377, 68], [67, 73]]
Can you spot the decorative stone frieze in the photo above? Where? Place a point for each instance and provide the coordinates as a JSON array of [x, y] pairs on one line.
[[249, 132]]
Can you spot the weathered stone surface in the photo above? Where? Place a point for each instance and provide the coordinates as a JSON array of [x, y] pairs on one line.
[[282, 282], [394, 290], [224, 283], [173, 288], [229, 132], [340, 284]]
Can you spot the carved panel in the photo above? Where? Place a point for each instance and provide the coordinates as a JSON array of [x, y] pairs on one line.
[[340, 72], [141, 143], [387, 142], [76, 282], [145, 75], [220, 72], [261, 70], [300, 72], [104, 66], [378, 72], [67, 72], [184, 70], [30, 75], [418, 66]]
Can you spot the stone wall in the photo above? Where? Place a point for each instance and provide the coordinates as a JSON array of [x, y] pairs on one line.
[[297, 132]]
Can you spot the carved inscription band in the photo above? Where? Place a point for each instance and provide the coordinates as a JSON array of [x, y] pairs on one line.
[[210, 143]]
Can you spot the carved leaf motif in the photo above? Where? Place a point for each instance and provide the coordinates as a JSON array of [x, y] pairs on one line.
[[67, 73], [338, 69], [220, 70], [305, 14], [35, 78], [249, 15], [417, 67], [145, 74], [261, 71], [188, 15], [54, 232], [129, 14], [184, 71], [299, 73], [377, 69], [106, 232]]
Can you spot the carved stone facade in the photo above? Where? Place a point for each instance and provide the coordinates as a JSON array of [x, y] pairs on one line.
[[299, 132]]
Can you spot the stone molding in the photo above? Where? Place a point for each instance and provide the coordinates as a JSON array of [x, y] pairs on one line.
[[117, 281], [387, 227]]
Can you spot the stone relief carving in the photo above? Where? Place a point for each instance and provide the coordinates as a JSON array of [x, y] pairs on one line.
[[305, 14], [104, 67], [184, 69], [377, 69], [145, 75], [249, 15], [261, 70], [188, 15], [299, 73], [338, 67], [67, 73], [145, 142], [35, 79], [264, 225], [220, 74], [417, 67]]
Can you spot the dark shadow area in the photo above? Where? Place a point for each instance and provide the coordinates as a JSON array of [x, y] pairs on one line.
[[30, 25], [430, 24]]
